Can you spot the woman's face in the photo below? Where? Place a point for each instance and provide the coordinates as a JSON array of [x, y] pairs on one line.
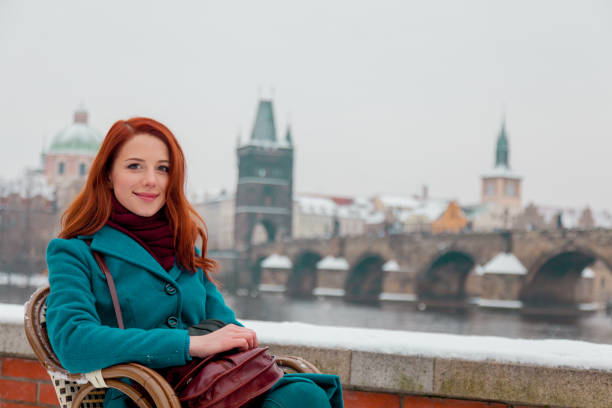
[[140, 173]]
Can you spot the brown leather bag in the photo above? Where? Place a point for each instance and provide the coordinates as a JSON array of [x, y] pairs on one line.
[[222, 380], [230, 379]]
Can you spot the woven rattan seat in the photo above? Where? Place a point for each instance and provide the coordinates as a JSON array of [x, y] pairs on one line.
[[148, 388]]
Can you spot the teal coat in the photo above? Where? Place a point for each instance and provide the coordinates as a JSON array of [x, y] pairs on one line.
[[157, 306]]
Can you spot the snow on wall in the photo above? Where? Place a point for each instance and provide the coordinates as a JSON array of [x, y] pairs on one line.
[[12, 314], [277, 261], [331, 263], [504, 263], [553, 353], [391, 266], [587, 273]]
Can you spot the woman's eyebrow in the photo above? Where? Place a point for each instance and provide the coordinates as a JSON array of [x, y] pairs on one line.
[[142, 160]]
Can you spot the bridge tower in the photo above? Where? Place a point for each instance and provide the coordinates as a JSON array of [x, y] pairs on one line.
[[501, 187], [264, 194]]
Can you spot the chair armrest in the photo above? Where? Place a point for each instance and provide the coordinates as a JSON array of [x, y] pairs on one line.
[[296, 364], [151, 389]]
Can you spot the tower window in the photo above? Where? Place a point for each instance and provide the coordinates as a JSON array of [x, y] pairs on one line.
[[490, 189], [510, 190], [60, 168], [261, 172], [82, 169]]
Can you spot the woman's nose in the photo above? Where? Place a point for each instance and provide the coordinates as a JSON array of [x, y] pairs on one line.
[[150, 178]]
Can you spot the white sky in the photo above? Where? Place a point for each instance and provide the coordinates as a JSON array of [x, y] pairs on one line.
[[383, 96]]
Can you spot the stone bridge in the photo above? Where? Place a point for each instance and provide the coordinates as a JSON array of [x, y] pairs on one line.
[[436, 268]]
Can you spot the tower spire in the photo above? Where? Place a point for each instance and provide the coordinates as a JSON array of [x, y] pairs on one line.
[[264, 128], [501, 150]]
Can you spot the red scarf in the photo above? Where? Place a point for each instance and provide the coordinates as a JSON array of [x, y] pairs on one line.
[[153, 233]]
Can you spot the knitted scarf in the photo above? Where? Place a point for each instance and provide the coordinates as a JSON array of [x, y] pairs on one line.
[[153, 233]]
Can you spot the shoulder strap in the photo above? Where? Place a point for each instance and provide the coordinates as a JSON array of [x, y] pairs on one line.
[[111, 286]]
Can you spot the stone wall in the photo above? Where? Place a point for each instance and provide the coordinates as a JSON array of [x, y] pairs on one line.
[[370, 379]]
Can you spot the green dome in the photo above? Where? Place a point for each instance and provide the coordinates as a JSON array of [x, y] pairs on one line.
[[77, 138]]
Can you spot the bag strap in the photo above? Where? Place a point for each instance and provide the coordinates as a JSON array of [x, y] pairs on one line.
[[111, 285]]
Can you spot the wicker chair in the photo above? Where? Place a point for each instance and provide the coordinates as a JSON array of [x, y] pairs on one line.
[[148, 390]]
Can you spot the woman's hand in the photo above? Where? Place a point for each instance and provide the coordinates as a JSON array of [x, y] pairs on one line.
[[226, 338]]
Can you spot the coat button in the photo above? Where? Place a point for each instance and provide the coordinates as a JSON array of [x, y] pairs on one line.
[[172, 321], [170, 289]]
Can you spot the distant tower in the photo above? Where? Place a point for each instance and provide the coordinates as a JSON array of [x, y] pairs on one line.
[[66, 162], [501, 186], [264, 195]]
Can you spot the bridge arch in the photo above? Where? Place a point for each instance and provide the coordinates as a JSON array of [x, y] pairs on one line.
[[445, 276], [365, 280], [263, 231], [303, 277], [553, 279]]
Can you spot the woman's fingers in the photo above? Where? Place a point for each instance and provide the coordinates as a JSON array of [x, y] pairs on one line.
[[244, 333], [226, 338]]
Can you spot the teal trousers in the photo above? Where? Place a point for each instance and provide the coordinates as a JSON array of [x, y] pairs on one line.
[[305, 391]]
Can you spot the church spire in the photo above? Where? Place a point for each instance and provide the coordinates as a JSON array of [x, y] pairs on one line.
[[502, 151]]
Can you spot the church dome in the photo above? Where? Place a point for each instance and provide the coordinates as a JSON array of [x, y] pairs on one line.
[[77, 138]]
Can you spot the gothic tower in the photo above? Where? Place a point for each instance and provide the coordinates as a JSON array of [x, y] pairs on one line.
[[501, 186], [264, 194]]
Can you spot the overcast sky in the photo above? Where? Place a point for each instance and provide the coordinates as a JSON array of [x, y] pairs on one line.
[[382, 96]]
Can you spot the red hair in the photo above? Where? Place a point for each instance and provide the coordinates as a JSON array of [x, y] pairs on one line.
[[92, 206]]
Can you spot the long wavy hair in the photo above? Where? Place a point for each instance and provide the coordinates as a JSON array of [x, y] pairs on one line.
[[91, 208]]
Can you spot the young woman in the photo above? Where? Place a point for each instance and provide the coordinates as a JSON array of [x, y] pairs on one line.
[[133, 211]]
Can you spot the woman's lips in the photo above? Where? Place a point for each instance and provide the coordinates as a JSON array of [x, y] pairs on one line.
[[147, 196]]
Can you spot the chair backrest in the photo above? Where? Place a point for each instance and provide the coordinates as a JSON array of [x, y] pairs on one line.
[[66, 384]]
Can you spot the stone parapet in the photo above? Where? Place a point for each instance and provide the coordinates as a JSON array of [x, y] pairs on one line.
[[389, 379]]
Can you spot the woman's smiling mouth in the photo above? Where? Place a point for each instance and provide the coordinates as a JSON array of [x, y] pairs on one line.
[[147, 196]]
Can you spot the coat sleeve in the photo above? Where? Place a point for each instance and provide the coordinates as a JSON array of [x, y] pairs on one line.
[[82, 343], [215, 305]]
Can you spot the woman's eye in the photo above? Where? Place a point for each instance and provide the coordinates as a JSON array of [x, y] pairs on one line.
[[133, 166], [165, 169]]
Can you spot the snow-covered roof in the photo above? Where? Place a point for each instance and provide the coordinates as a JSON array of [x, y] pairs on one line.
[[504, 263], [587, 273], [375, 218], [570, 217], [30, 184], [430, 210], [332, 206], [277, 261], [329, 262], [501, 171], [602, 219], [316, 205], [398, 201], [391, 266]]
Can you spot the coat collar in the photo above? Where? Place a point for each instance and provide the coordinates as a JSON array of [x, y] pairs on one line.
[[115, 243]]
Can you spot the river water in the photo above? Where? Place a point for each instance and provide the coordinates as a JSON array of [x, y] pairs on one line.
[[595, 328]]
